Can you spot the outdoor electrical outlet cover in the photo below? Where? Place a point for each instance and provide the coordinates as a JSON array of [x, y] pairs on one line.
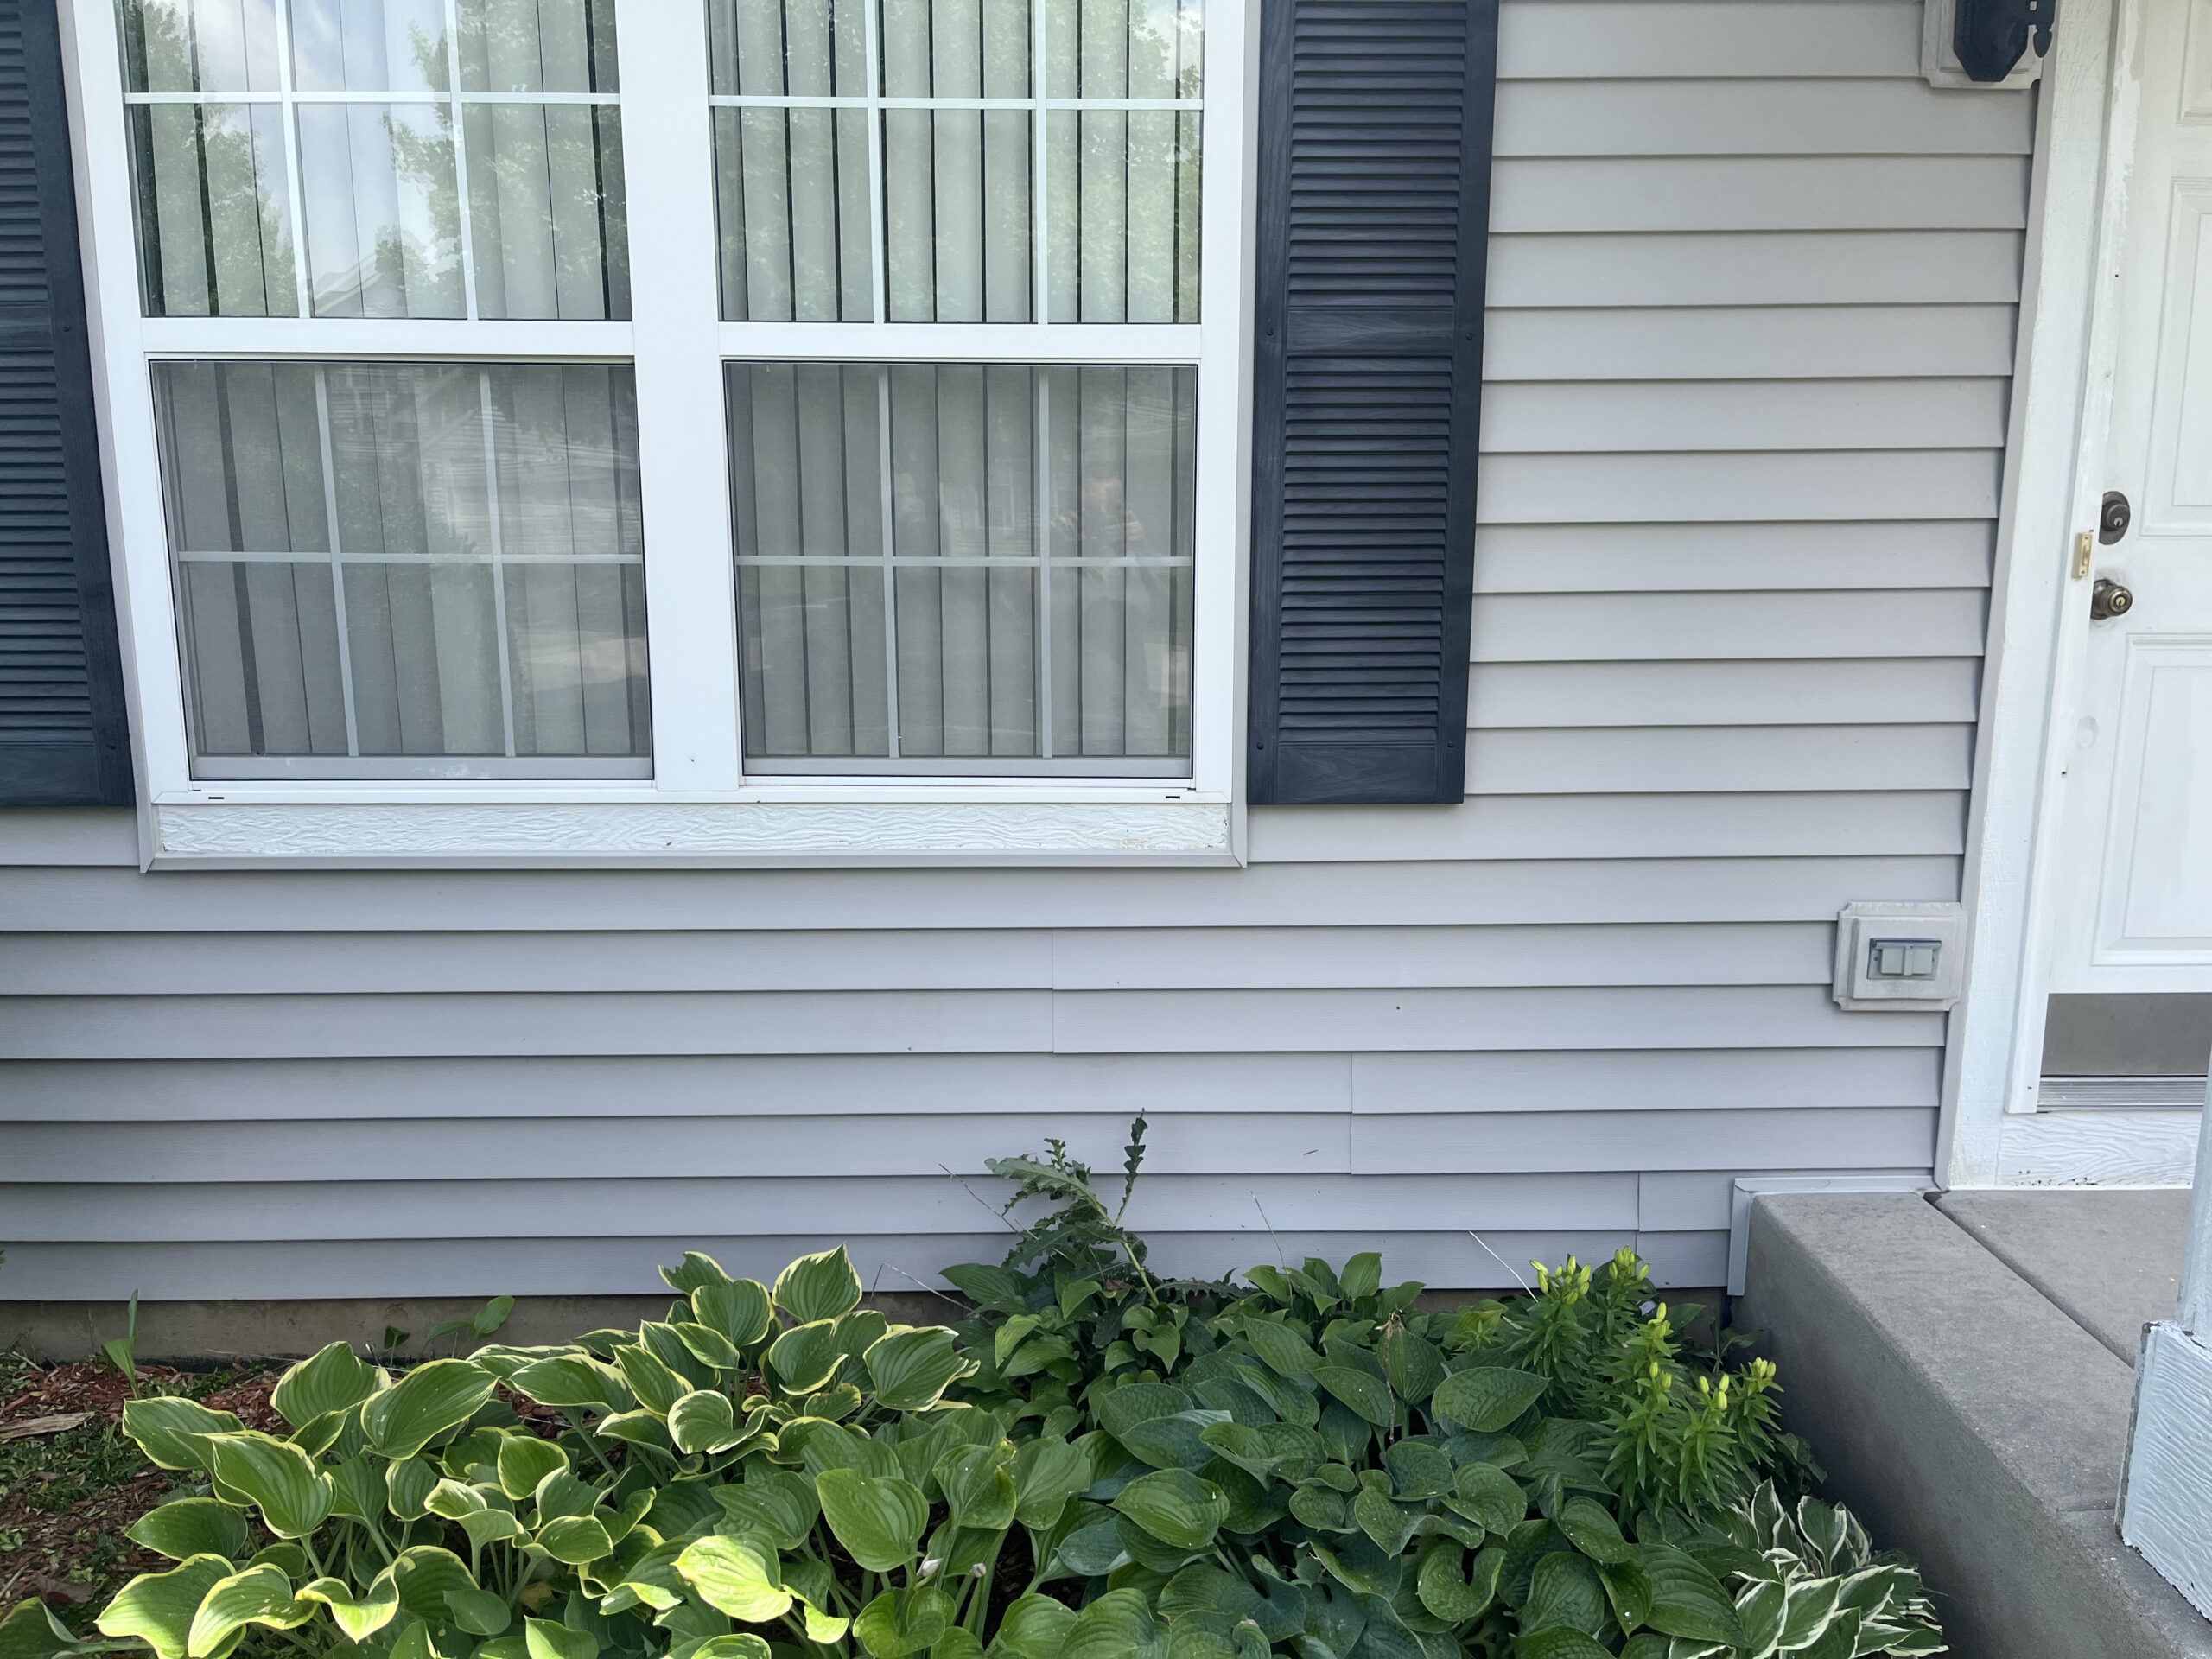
[[1906, 958]]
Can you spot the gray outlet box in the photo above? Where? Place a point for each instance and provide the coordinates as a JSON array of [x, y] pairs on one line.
[[1908, 957]]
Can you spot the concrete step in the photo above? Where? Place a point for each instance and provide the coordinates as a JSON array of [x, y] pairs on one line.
[[1967, 1417]]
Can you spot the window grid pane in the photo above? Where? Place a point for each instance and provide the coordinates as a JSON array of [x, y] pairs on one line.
[[378, 158], [408, 560], [904, 143], [965, 567]]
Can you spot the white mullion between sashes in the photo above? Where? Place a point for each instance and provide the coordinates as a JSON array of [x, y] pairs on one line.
[[682, 447]]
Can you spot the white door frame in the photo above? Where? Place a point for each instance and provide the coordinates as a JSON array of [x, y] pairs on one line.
[[2054, 483]]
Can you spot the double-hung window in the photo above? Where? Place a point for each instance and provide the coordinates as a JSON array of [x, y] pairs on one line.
[[644, 427]]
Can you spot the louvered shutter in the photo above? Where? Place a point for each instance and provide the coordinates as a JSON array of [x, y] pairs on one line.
[[62, 735], [1374, 138]]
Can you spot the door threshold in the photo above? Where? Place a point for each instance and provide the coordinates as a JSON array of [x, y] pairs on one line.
[[2119, 1094]]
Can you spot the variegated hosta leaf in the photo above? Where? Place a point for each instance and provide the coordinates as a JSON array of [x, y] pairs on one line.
[[331, 1380], [821, 1287], [704, 1421], [656, 1387], [739, 1309], [738, 1576], [158, 1607], [437, 1396], [358, 1617], [912, 1369], [524, 1461], [173, 1432], [189, 1527], [260, 1595], [292, 1492]]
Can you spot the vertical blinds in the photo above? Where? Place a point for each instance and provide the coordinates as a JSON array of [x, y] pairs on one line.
[[487, 180], [407, 559], [980, 563], [950, 161]]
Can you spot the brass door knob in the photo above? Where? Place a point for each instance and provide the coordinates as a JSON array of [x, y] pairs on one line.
[[2108, 599]]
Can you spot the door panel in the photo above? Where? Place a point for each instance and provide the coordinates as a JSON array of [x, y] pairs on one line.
[[2132, 909]]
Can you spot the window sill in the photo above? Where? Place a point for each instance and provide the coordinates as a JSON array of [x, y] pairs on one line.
[[230, 835]]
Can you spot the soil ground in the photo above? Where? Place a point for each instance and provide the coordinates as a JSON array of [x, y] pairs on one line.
[[66, 1497]]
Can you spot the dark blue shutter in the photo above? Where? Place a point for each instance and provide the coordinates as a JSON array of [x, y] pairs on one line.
[[1373, 212], [62, 730]]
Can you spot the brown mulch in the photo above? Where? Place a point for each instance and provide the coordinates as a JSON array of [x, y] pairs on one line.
[[66, 1496]]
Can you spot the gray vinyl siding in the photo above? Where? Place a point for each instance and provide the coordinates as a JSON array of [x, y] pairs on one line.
[[1753, 289]]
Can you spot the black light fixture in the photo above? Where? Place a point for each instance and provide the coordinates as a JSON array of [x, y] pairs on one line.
[[1990, 37]]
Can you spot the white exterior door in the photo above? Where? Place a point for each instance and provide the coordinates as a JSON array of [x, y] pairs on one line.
[[2133, 909]]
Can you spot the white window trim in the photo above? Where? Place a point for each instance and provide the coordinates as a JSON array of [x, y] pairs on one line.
[[699, 806]]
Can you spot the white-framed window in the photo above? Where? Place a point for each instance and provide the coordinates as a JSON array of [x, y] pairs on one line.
[[598, 408]]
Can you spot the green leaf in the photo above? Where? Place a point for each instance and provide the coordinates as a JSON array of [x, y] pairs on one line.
[[1034, 1627], [903, 1621], [488, 1319], [1758, 1608], [739, 1309], [1121, 1410], [574, 1540], [1486, 1398], [1565, 1590], [1118, 1625], [438, 1395], [168, 1430], [1368, 1396], [1387, 1522], [741, 1644], [544, 1639], [696, 1270], [562, 1380], [1176, 1442], [407, 1486], [189, 1527], [1411, 1364], [708, 1346], [956, 1643], [1448, 1590], [425, 1574], [260, 1595], [806, 1356], [1047, 1472], [357, 1618], [1175, 1507], [30, 1631], [292, 1492], [1591, 1529], [1686, 1599], [656, 1387], [817, 1287], [1557, 1641], [332, 1380], [1283, 1350], [1485, 1494], [978, 1485], [1362, 1276], [781, 1507], [737, 1576], [479, 1612], [878, 1518], [524, 1461], [1628, 1588], [158, 1607], [704, 1421], [913, 1368]]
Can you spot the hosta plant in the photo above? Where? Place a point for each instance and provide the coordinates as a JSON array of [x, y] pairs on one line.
[[760, 1467]]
